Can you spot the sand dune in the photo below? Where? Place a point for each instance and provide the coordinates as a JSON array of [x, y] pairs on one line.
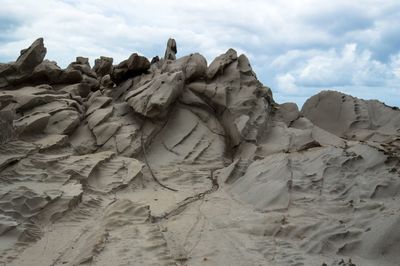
[[175, 161]]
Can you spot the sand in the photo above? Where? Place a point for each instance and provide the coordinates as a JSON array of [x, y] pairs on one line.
[[180, 162]]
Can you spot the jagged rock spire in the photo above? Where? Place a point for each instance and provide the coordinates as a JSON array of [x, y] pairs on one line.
[[170, 52]]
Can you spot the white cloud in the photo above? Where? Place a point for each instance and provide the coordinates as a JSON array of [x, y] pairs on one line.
[[350, 66], [395, 65], [286, 83]]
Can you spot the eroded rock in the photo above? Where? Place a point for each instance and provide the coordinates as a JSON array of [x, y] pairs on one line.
[[103, 66], [154, 98], [166, 163], [171, 50], [133, 66]]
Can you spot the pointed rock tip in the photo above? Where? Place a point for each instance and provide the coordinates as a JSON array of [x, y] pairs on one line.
[[171, 50]]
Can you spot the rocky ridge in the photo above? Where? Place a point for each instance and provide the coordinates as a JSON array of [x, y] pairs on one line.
[[175, 161]]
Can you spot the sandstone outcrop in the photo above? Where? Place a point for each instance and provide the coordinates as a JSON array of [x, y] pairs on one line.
[[182, 162]]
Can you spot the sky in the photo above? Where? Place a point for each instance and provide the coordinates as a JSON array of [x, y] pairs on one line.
[[297, 48]]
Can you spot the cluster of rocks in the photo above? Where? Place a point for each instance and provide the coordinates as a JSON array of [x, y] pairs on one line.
[[300, 185]]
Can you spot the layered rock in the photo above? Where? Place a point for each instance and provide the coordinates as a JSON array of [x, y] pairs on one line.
[[352, 118], [154, 98], [178, 161], [30, 68]]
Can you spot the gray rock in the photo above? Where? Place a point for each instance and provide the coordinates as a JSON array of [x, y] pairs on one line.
[[78, 89], [133, 66], [287, 113], [52, 141], [19, 71], [6, 126], [103, 66], [155, 60], [30, 68], [93, 83], [97, 103], [352, 118], [253, 176], [82, 60], [194, 66], [99, 116], [31, 57], [171, 50], [154, 98], [70, 76], [63, 122], [105, 131], [82, 140], [218, 65], [82, 65], [32, 124], [106, 82], [47, 71]]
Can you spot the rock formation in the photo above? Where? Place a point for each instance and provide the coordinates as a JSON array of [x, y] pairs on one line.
[[170, 52], [180, 162]]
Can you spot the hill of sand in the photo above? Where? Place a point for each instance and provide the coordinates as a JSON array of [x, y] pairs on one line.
[[175, 161]]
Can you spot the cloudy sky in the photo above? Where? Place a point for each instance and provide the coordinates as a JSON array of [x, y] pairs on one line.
[[296, 47]]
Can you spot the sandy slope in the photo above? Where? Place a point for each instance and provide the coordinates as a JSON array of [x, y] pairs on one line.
[[180, 162]]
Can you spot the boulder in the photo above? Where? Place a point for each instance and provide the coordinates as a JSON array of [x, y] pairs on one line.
[[287, 113], [133, 66], [106, 82], [82, 60], [30, 68], [92, 82], [103, 66], [47, 70], [82, 65], [69, 77], [31, 57], [20, 71]]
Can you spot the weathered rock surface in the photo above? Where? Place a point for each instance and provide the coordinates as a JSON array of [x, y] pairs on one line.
[[176, 162], [170, 52], [220, 63], [133, 66], [154, 98], [193, 66], [30, 124], [31, 57], [103, 66], [352, 118], [63, 122], [30, 68]]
